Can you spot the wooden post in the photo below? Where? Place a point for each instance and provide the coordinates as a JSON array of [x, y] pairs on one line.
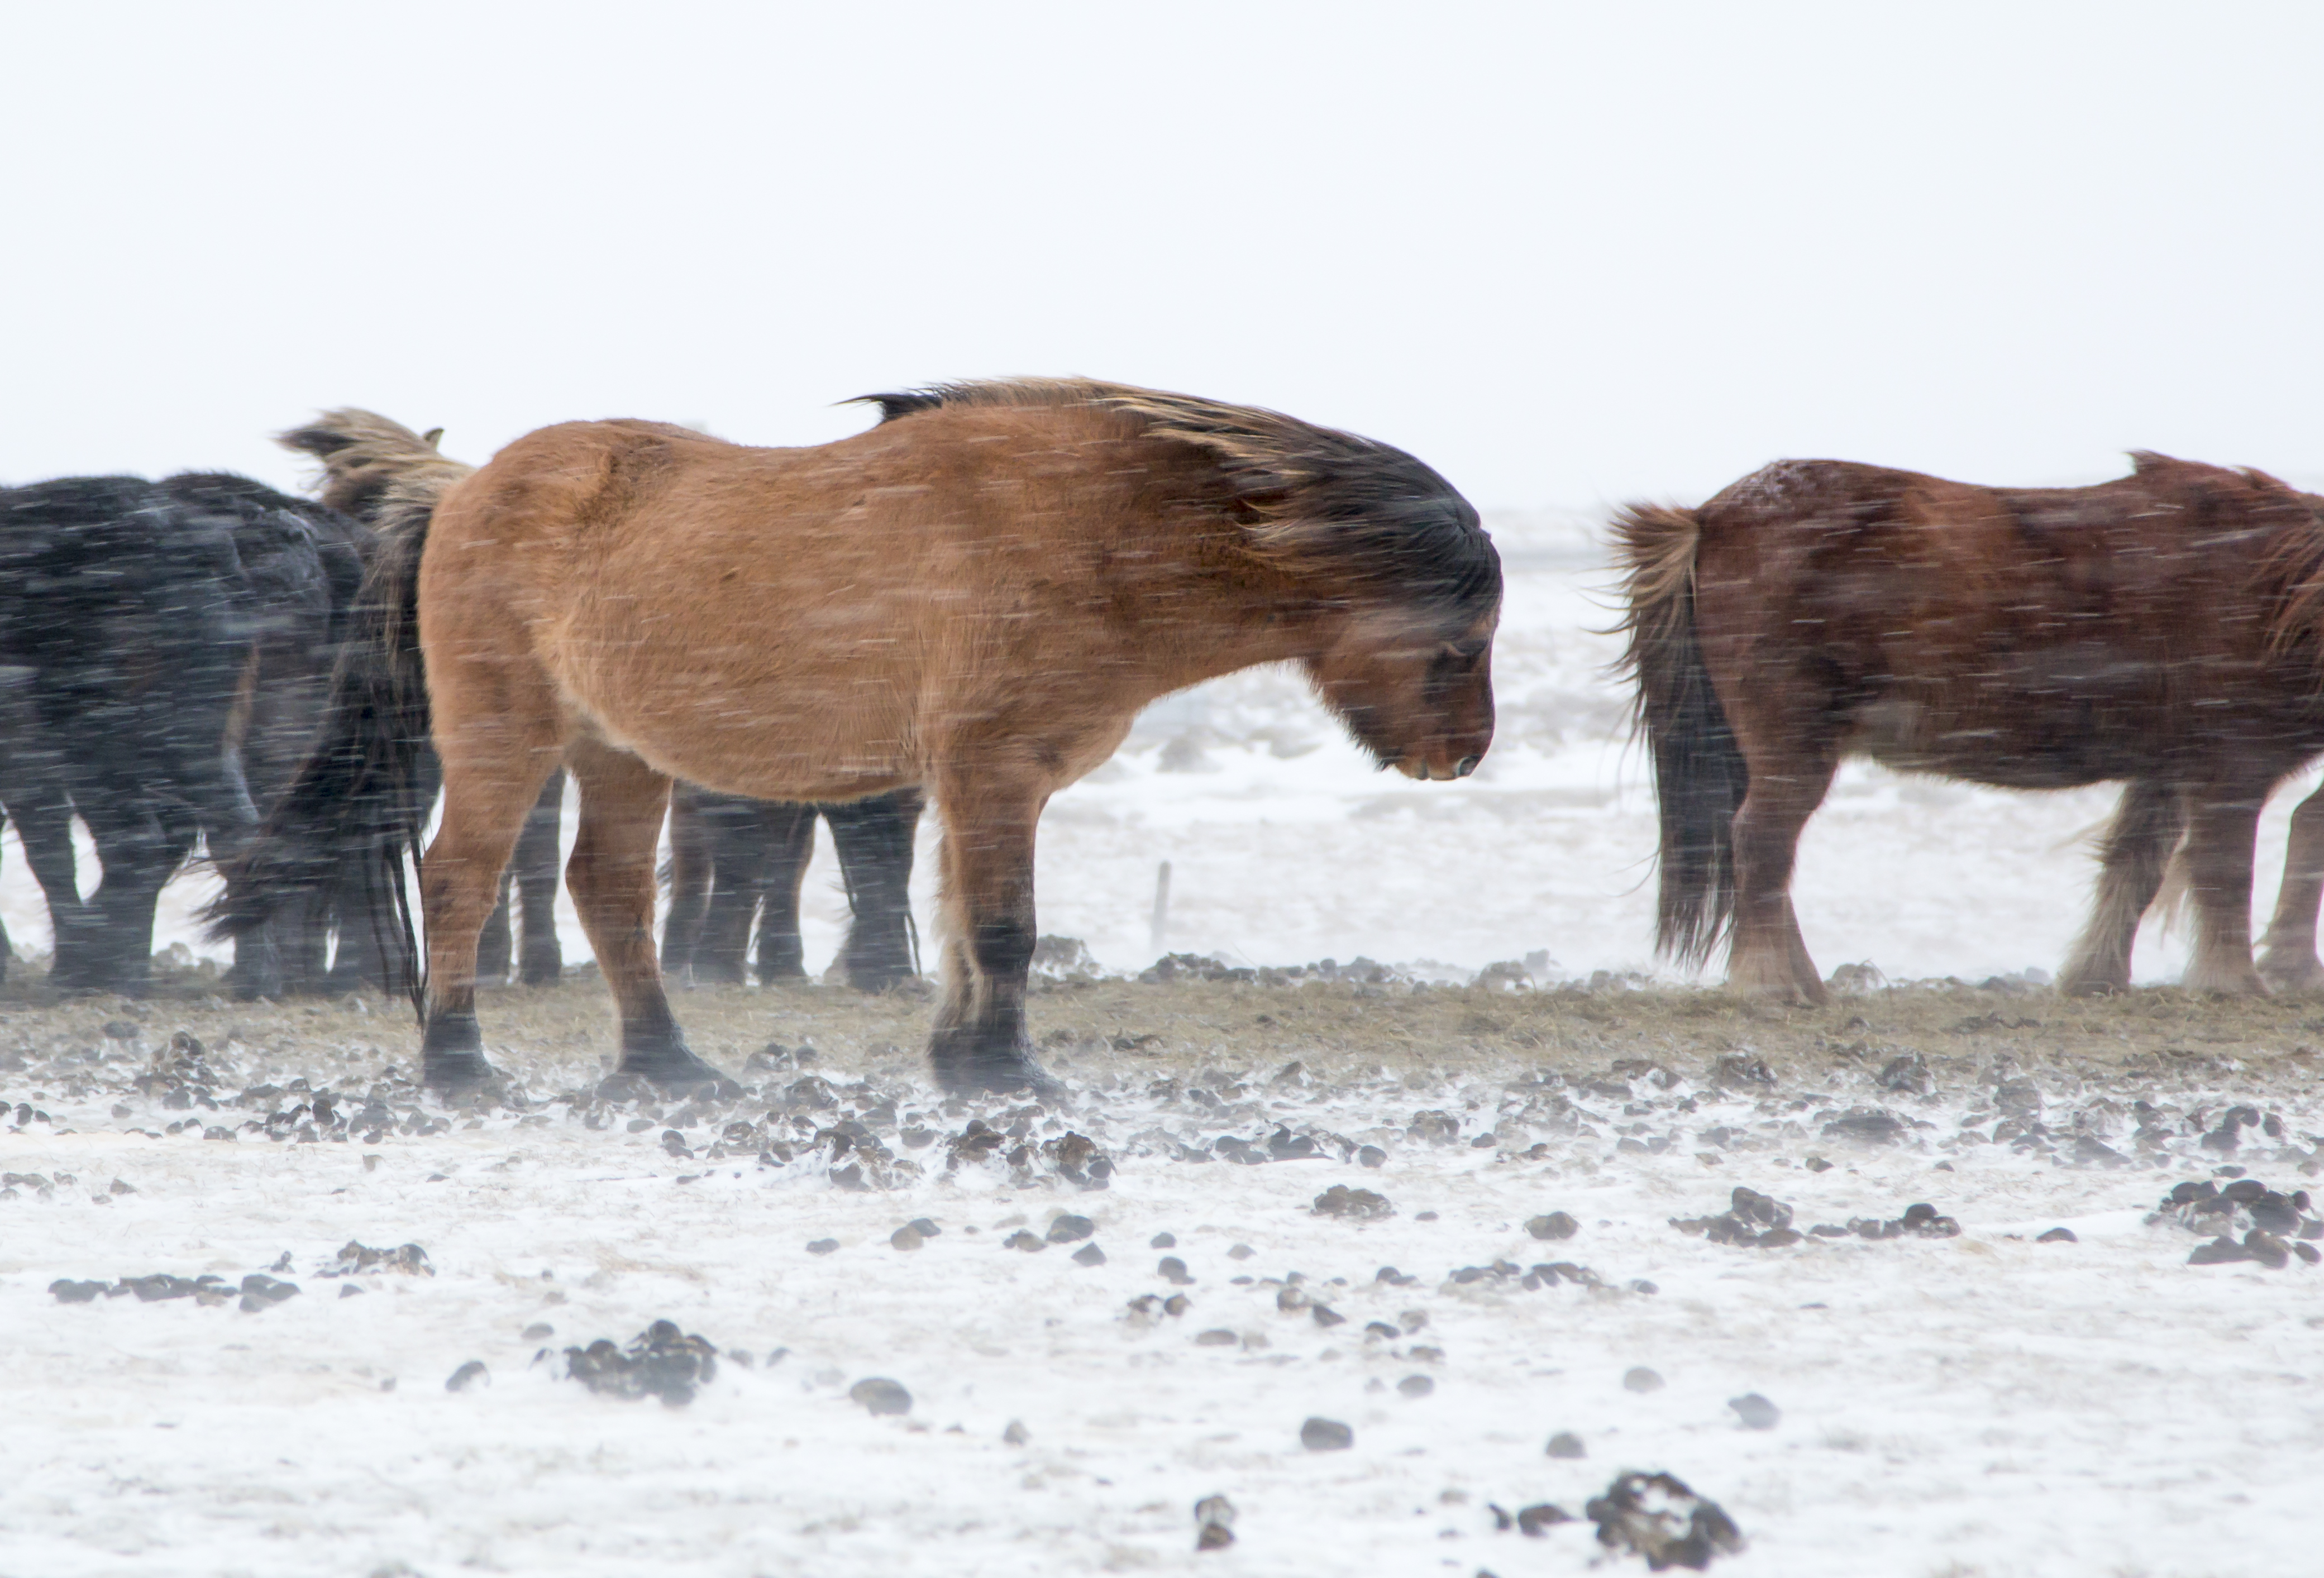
[[1161, 907]]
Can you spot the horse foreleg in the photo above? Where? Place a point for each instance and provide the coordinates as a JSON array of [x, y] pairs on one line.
[[140, 853], [612, 878], [43, 817], [690, 875], [2146, 828], [2222, 831], [2287, 960], [1769, 958], [980, 1043], [874, 840], [543, 961]]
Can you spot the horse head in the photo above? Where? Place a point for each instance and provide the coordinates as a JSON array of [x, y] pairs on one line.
[[1417, 691]]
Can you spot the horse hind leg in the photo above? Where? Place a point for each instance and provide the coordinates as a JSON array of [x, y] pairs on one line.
[[1769, 959], [612, 878], [496, 943], [2287, 961], [980, 1043], [2222, 833], [2147, 826], [786, 836], [485, 798]]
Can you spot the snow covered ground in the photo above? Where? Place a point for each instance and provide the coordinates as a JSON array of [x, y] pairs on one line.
[[1286, 847], [1979, 1404]]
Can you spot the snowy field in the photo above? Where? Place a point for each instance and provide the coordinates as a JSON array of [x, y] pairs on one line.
[[1975, 1402]]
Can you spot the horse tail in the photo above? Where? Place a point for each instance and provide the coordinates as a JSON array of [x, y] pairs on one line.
[[358, 804], [1699, 774]]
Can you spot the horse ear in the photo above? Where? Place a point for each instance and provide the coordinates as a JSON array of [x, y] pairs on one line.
[[430, 437]]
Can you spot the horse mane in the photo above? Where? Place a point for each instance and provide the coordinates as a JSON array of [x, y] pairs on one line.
[[1306, 499], [374, 468]]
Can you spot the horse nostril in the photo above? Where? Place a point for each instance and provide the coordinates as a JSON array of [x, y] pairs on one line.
[[1464, 766]]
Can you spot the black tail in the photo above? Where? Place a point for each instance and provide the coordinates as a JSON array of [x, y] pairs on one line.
[[359, 801], [1699, 774]]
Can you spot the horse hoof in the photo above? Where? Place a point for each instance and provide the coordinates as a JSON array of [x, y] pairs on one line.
[[671, 1072], [457, 1073], [1015, 1076]]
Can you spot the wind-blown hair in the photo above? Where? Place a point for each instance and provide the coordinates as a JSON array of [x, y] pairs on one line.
[[1306, 498]]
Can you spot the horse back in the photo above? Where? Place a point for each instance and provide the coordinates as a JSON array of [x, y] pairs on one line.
[[2032, 638]]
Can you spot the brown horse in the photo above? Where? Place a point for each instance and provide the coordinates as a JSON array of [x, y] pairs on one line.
[[976, 597], [2161, 629]]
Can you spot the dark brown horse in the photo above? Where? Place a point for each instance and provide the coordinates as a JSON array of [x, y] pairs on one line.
[[975, 597], [2160, 631]]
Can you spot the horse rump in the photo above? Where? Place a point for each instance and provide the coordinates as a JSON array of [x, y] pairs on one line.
[[1699, 774]]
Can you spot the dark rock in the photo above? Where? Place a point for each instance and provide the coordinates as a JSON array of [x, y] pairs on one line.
[[660, 1362], [1656, 1517], [1016, 1435], [1372, 1328], [1069, 1229], [1416, 1386], [1321, 1435], [467, 1375], [1908, 1073], [1354, 1205], [1216, 1338], [906, 1237], [350, 1289], [1326, 1317], [159, 1286], [1029, 1243], [260, 1292], [821, 1246], [1817, 1164], [1755, 1411], [539, 1331], [2222, 1251], [881, 1395], [1163, 1241], [1173, 1271], [409, 1260], [2267, 1249], [1241, 1251], [1538, 1519], [1869, 1125], [1088, 1255], [69, 1291], [1557, 1224], [1214, 1519], [1638, 1377], [2058, 1235], [1566, 1444], [1371, 1156]]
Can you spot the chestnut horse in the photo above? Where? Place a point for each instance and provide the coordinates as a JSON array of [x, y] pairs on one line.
[[2162, 629], [975, 597]]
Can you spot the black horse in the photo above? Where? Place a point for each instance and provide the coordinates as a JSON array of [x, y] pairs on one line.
[[733, 860], [164, 653]]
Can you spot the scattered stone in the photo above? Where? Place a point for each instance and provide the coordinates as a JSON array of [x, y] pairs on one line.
[[1656, 1517], [823, 1246], [1535, 1521], [1070, 1229], [1088, 1255], [1216, 1338], [1382, 1330], [1016, 1435], [1020, 1239], [2058, 1235], [906, 1237], [467, 1375], [350, 1289], [1326, 1317], [1173, 1271], [1918, 1220], [1241, 1251], [1163, 1241], [1869, 1125], [360, 1259], [1566, 1444], [1638, 1377], [660, 1362], [1371, 1156], [1354, 1205], [260, 1292], [1755, 1411], [1752, 1220], [69, 1291], [1817, 1164], [1321, 1435], [1417, 1385], [539, 1331], [1214, 1519], [1557, 1224], [881, 1395]]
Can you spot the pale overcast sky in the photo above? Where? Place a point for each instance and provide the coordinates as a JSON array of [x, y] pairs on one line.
[[1568, 254]]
